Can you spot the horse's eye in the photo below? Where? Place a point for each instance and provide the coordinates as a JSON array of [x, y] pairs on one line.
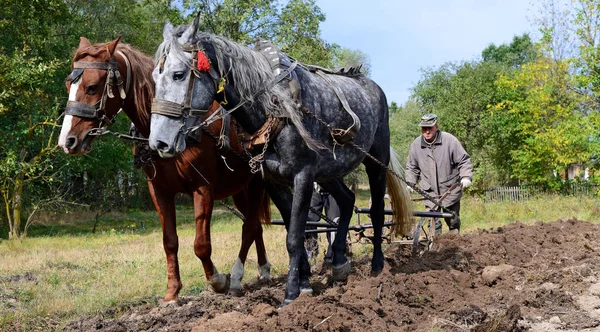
[[178, 76], [91, 89]]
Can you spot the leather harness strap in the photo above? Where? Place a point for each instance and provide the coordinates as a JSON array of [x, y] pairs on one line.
[[273, 126], [342, 136]]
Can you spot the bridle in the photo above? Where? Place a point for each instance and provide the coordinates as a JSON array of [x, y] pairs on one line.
[[97, 110], [200, 63]]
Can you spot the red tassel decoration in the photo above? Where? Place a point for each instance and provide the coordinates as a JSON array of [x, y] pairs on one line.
[[203, 63]]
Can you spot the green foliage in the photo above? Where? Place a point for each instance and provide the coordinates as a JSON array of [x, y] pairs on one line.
[[298, 33], [344, 57], [543, 112], [404, 128], [520, 51], [240, 21]]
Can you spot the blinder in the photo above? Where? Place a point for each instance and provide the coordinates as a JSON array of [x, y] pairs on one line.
[[200, 63], [75, 75]]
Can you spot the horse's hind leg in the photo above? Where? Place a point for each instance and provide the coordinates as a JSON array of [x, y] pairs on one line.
[[165, 206], [345, 199], [203, 206], [377, 185]]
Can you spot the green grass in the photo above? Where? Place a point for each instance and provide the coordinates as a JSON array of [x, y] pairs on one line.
[[63, 270], [475, 214]]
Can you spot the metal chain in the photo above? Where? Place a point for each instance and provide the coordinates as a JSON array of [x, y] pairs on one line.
[[324, 217], [259, 158], [233, 210], [103, 131]]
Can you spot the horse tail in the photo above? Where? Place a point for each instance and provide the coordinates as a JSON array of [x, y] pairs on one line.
[[263, 200], [401, 201]]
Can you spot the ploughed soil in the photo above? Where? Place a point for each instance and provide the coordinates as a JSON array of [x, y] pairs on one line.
[[540, 277]]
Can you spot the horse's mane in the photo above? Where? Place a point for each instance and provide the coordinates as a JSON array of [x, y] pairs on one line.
[[250, 71], [142, 84]]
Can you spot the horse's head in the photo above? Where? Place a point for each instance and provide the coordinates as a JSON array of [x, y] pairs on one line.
[[92, 86], [186, 86]]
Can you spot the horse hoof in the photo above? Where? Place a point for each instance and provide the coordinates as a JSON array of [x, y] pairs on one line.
[[341, 273], [237, 292], [375, 273], [167, 303], [285, 303], [264, 272], [219, 283], [306, 290]]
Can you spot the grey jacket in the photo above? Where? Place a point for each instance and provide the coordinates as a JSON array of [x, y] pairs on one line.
[[438, 166]]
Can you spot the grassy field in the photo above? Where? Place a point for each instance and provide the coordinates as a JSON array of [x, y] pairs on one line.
[[63, 270]]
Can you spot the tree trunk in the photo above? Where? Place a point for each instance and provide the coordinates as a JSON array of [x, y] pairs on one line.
[[17, 207], [17, 200], [8, 213]]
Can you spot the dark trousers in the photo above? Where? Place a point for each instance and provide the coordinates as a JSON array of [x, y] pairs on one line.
[[321, 202], [453, 223]]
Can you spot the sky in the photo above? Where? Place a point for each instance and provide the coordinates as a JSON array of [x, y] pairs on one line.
[[401, 37]]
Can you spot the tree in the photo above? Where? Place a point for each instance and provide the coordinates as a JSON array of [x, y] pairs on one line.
[[344, 57], [404, 128], [28, 126], [586, 25], [544, 116], [520, 51]]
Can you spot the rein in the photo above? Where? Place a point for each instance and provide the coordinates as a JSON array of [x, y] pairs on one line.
[[97, 110]]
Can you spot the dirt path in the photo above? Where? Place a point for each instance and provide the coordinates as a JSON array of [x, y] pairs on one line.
[[543, 277]]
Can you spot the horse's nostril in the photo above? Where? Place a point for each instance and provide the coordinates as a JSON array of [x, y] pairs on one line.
[[162, 146], [71, 142]]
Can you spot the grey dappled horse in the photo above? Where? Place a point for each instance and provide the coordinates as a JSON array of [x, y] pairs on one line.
[[299, 148]]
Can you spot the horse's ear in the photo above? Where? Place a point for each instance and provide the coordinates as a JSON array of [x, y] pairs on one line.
[[112, 45], [168, 31], [191, 30], [84, 42]]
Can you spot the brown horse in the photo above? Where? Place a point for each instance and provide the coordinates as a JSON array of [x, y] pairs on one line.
[[112, 76]]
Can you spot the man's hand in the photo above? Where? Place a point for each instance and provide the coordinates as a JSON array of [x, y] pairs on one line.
[[465, 182]]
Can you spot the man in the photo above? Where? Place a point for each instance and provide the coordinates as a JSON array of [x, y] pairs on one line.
[[321, 200], [437, 161]]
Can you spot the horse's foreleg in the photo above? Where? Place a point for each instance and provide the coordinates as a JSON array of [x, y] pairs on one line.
[[165, 206], [299, 268], [203, 206], [282, 198]]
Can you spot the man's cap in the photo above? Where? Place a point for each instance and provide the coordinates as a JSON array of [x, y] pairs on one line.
[[428, 120]]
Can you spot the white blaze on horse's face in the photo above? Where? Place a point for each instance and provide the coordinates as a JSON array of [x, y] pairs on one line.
[[68, 119]]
